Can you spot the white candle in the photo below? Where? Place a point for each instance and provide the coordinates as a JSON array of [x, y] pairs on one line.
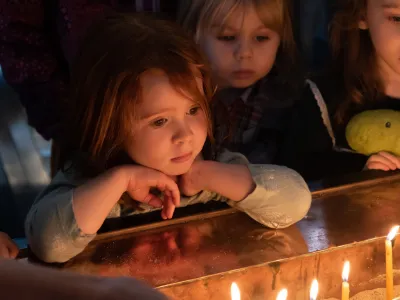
[[235, 292], [282, 295], [345, 283], [389, 262], [314, 290]]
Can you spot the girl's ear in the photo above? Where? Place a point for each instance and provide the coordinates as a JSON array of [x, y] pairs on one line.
[[363, 24]]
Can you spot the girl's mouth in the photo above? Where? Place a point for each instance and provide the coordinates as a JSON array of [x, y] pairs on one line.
[[243, 74], [183, 158]]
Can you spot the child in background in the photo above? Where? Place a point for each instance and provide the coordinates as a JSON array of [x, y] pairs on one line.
[[365, 75], [251, 49], [8, 249], [140, 120]]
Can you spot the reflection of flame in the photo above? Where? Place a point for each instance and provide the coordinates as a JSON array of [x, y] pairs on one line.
[[346, 271], [392, 233], [314, 290], [235, 292], [282, 295]]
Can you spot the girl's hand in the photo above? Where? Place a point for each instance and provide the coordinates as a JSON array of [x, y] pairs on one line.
[[190, 183], [8, 249], [228, 180], [383, 161], [142, 179]]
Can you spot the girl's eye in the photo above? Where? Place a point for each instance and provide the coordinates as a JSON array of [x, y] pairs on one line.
[[194, 110], [261, 38], [159, 122], [226, 38], [395, 19]]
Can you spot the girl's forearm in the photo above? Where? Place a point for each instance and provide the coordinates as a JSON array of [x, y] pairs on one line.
[[231, 181], [93, 201]]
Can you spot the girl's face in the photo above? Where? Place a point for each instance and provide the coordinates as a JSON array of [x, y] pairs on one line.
[[170, 130], [383, 22], [242, 51]]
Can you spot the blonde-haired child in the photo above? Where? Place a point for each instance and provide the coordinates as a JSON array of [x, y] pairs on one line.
[[251, 49]]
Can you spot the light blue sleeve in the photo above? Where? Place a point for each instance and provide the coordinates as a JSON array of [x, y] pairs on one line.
[[281, 197], [51, 229]]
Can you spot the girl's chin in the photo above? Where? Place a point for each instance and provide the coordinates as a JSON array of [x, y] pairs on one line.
[[177, 171]]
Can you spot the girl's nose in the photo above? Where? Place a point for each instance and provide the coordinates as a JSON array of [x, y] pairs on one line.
[[183, 134], [243, 50]]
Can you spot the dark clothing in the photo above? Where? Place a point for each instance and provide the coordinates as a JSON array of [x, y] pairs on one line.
[[309, 148], [255, 119]]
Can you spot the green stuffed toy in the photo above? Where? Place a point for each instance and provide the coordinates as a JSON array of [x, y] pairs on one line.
[[373, 131]]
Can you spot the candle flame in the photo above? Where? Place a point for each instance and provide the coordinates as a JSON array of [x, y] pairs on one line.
[[393, 233], [314, 290], [282, 295], [346, 271], [235, 292]]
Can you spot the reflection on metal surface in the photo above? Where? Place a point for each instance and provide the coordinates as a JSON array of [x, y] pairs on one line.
[[206, 256], [191, 250]]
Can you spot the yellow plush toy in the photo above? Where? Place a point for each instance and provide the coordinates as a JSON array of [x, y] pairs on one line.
[[373, 131]]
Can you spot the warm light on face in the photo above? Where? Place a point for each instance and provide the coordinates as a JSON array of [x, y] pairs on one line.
[[314, 290], [392, 233], [346, 271], [235, 292], [282, 295]]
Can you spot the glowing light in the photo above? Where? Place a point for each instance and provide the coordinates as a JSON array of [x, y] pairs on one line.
[[235, 292], [346, 271], [282, 295], [314, 290], [392, 233]]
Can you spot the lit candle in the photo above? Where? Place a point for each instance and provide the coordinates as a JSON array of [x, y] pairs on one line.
[[314, 290], [389, 262], [282, 295], [345, 283], [235, 292]]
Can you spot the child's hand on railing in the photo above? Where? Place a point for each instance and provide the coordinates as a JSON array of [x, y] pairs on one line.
[[383, 161], [8, 249], [142, 179], [190, 183]]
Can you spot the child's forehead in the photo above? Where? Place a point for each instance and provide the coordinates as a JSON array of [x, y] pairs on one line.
[[235, 17], [239, 20], [159, 89], [153, 80], [387, 3]]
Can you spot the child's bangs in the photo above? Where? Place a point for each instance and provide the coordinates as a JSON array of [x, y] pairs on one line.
[[183, 77], [189, 80], [218, 12], [271, 13], [186, 83]]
